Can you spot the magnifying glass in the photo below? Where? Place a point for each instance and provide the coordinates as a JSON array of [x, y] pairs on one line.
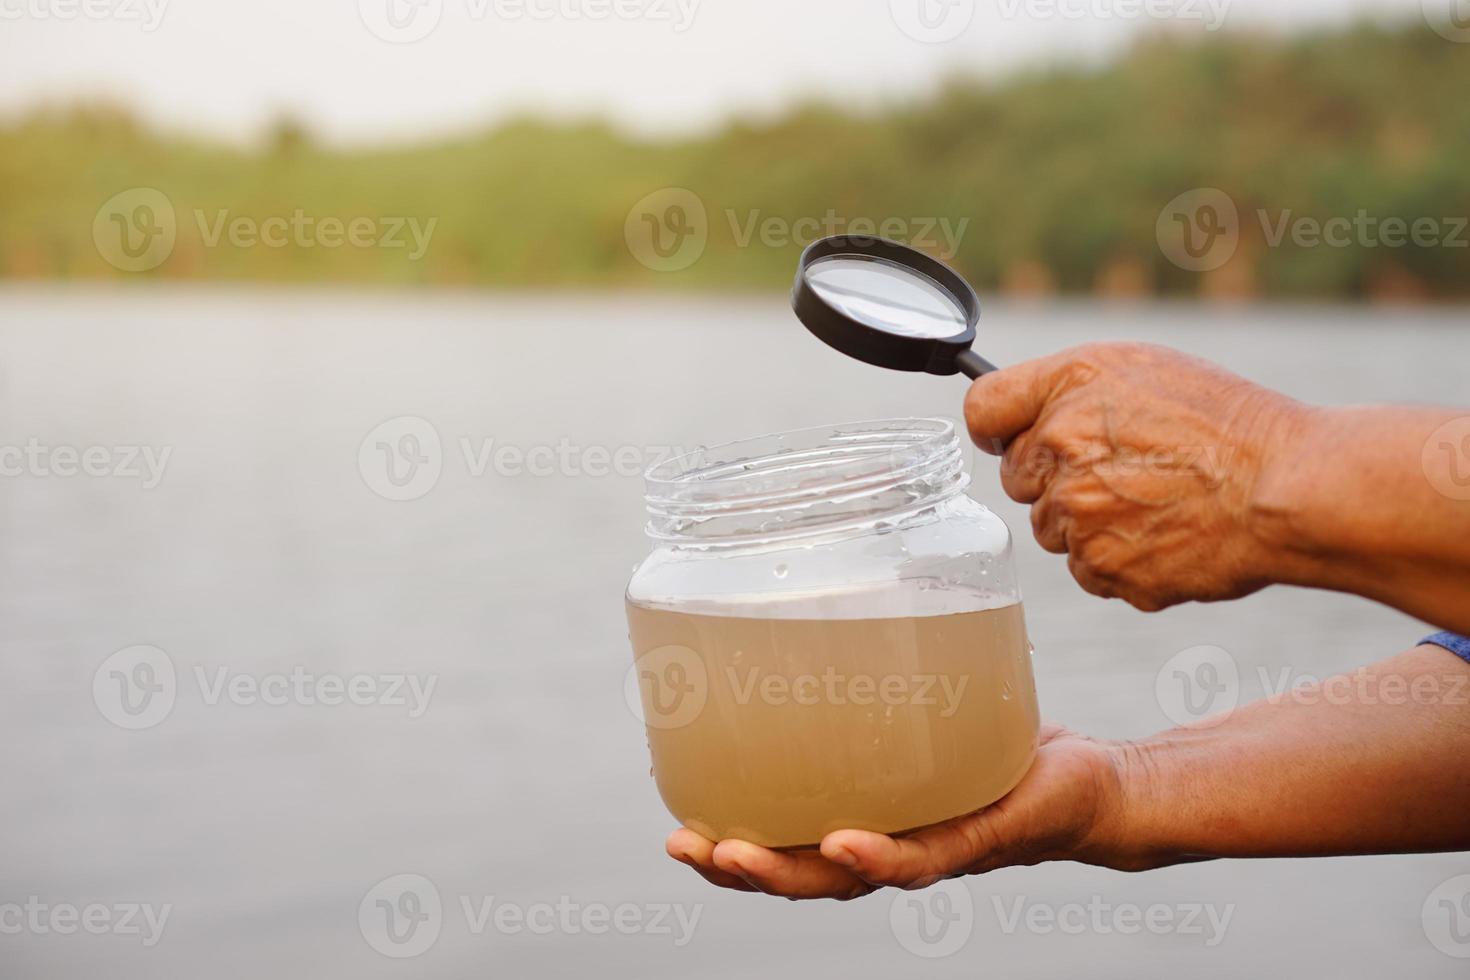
[[890, 305]]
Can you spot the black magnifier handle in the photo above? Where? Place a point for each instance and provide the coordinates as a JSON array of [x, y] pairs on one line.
[[972, 365]]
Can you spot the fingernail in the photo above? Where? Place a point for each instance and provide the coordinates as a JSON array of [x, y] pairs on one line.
[[842, 856]]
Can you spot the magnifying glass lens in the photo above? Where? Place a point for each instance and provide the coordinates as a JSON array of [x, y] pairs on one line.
[[887, 296]]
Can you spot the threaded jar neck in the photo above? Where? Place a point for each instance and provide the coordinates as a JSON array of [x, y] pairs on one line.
[[826, 480]]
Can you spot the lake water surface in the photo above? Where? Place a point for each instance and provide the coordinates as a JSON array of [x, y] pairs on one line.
[[263, 554]]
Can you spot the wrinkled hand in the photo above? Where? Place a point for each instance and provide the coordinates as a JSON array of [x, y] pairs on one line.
[[1141, 464], [1068, 808]]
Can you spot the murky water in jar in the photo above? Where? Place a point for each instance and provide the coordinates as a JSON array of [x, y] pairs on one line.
[[780, 731]]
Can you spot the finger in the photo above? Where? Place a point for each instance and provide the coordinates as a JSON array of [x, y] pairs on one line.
[[1050, 521], [1090, 580], [791, 874], [915, 861], [687, 847], [1049, 730], [1028, 467], [1005, 403]]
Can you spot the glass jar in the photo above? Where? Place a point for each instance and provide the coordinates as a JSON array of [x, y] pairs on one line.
[[828, 634]]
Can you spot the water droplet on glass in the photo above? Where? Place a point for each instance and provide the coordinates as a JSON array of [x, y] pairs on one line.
[[781, 571], [1006, 693]]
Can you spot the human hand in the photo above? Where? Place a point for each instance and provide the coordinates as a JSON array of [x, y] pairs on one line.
[[1142, 465], [1069, 807]]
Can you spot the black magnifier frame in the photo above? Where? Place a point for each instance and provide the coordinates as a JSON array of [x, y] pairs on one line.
[[943, 356]]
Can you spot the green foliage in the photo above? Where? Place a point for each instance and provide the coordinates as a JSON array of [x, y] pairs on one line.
[[1063, 170]]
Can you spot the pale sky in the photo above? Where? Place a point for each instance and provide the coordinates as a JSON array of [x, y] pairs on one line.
[[655, 66]]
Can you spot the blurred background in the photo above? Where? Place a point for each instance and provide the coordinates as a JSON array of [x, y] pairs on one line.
[[334, 339]]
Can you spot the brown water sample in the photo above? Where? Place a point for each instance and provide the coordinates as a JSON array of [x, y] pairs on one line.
[[780, 731]]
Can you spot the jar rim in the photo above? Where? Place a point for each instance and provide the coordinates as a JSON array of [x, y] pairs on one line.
[[793, 483], [940, 431]]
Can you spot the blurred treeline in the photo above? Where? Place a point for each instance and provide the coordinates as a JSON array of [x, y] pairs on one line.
[[1062, 173]]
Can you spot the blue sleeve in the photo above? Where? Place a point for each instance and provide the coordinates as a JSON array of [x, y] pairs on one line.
[[1453, 642]]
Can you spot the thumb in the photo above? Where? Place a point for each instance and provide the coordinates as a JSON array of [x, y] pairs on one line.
[[1005, 403], [914, 861]]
